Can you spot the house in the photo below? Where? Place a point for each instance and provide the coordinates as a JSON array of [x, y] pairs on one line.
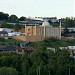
[[8, 48], [53, 19], [62, 48], [50, 48], [72, 51], [25, 48], [3, 34]]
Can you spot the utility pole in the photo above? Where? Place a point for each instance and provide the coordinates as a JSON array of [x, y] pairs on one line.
[[39, 70], [69, 71], [49, 72], [60, 29]]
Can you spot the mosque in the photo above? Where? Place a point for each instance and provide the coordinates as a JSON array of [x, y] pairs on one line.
[[38, 33]]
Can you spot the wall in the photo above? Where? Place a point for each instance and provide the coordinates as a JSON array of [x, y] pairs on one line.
[[29, 38], [53, 32]]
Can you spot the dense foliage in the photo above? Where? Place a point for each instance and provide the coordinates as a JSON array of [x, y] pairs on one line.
[[17, 27], [5, 25], [65, 22], [39, 62], [3, 16], [52, 42]]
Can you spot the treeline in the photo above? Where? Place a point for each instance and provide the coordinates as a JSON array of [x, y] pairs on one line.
[[66, 22], [17, 26], [12, 18], [39, 62]]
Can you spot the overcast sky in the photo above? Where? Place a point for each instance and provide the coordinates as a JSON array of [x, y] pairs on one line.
[[35, 8]]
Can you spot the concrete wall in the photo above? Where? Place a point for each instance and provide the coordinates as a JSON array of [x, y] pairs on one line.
[[29, 38], [52, 32]]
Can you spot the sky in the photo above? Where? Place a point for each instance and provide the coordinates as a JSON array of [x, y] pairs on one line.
[[38, 8]]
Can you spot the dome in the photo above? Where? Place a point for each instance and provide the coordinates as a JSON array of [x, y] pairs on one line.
[[45, 23]]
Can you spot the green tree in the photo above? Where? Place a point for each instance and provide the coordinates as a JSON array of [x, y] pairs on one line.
[[50, 22], [17, 27], [16, 62], [4, 16], [8, 71], [5, 25], [66, 30], [22, 18], [13, 18], [4, 61], [68, 22], [63, 62], [25, 64]]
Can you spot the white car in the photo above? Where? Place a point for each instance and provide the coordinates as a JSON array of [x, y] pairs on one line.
[[15, 34]]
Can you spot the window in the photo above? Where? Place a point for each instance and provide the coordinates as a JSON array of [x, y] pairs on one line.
[[28, 29]]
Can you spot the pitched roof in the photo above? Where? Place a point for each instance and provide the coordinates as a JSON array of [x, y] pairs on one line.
[[22, 45], [8, 48]]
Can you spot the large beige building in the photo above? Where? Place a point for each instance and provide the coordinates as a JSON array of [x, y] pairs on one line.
[[38, 33]]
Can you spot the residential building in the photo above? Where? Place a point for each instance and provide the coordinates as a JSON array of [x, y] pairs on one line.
[[8, 48], [53, 19], [72, 51], [50, 48], [62, 48], [3, 34]]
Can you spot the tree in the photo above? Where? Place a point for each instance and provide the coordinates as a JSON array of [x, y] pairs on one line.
[[4, 61], [17, 27], [4, 16], [13, 18], [63, 62], [68, 22], [22, 18], [25, 64], [66, 30], [50, 22], [5, 25], [8, 71]]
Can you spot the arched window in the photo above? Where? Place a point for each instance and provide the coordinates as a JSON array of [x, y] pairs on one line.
[[28, 29]]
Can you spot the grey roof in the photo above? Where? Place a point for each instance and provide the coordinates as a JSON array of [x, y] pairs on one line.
[[3, 32], [8, 48], [22, 45]]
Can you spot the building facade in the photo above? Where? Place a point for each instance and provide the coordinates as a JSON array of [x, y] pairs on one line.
[[38, 33]]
